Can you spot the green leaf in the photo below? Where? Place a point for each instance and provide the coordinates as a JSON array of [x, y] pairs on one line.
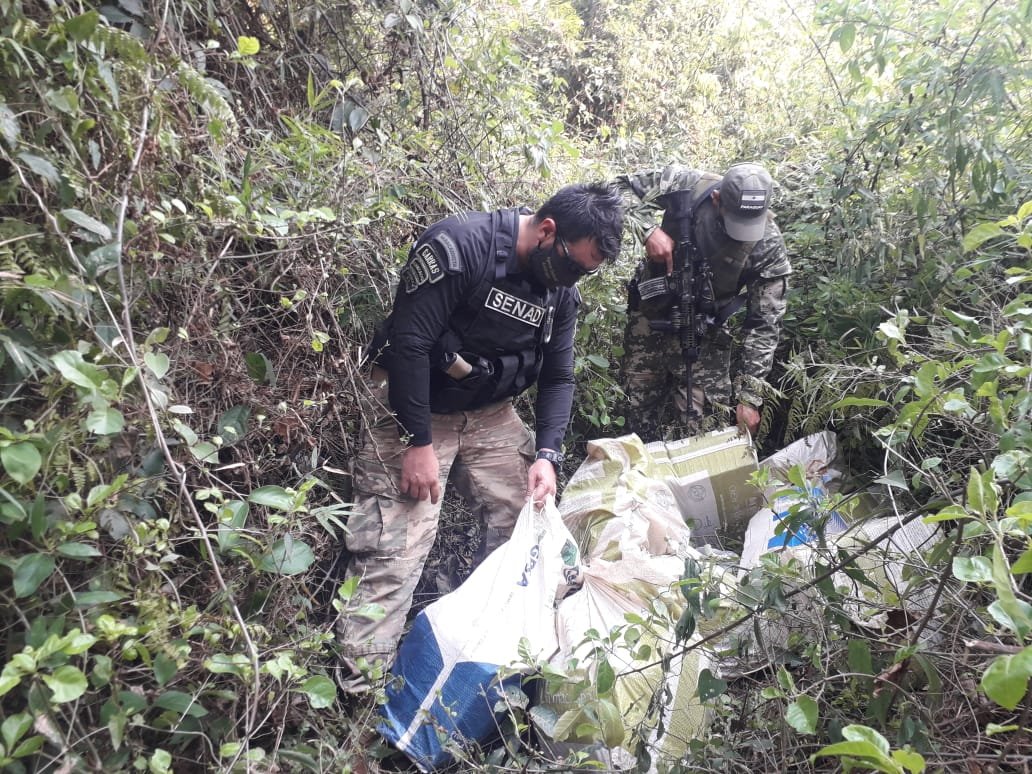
[[864, 402], [866, 751], [77, 642], [232, 425], [102, 259], [165, 668], [802, 715], [232, 517], [1023, 564], [347, 589], [41, 167], [185, 432], [247, 46], [1012, 466], [228, 664], [9, 129], [105, 421], [949, 513], [288, 557], [991, 364], [610, 723], [981, 492], [924, 380], [895, 478], [160, 762], [981, 233], [357, 118], [91, 598], [116, 728], [891, 331], [1017, 610], [205, 451], [273, 497], [157, 362], [605, 677], [709, 686], [321, 691], [544, 719], [30, 746], [598, 361], [91, 224], [310, 90], [1006, 679], [784, 678], [858, 733], [14, 728], [973, 569], [76, 370], [860, 657], [78, 550], [67, 683], [132, 702], [846, 35], [182, 703], [911, 761], [64, 99], [80, 28], [31, 571], [21, 460], [258, 367]]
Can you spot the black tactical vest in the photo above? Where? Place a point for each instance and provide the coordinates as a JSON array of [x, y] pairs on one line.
[[500, 330]]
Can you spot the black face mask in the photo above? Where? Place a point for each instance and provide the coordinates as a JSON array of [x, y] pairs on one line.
[[551, 269]]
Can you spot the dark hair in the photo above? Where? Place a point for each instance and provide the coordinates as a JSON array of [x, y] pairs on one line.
[[593, 210]]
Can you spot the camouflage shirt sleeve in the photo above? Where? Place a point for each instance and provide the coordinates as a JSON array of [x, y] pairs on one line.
[[767, 286], [643, 194]]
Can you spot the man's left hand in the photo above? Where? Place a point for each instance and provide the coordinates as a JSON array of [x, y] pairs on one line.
[[541, 481], [748, 416]]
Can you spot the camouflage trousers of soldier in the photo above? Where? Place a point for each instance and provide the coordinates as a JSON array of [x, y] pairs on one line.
[[390, 535], [653, 379]]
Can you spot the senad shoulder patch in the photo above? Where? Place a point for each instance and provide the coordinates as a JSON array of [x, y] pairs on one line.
[[424, 267]]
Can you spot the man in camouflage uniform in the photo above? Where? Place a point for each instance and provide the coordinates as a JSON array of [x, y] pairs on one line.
[[734, 230], [486, 308]]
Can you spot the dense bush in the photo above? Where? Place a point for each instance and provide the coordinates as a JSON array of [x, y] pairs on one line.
[[203, 210]]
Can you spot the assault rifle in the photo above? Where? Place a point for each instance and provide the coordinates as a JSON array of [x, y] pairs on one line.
[[690, 284]]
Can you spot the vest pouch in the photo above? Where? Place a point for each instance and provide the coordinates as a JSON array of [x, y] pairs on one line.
[[515, 373], [448, 395], [654, 298]]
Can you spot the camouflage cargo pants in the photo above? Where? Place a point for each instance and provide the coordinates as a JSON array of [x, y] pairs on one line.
[[653, 378], [391, 535]]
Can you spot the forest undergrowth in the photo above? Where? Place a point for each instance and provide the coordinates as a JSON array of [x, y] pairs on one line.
[[203, 212]]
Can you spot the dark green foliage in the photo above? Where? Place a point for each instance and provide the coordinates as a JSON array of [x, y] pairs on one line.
[[203, 209]]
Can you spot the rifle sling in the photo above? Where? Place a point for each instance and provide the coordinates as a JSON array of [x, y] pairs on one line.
[[726, 312]]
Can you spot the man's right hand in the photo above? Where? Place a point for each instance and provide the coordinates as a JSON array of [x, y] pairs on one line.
[[659, 248], [420, 473]]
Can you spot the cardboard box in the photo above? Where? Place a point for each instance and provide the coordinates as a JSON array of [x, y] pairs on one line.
[[709, 477]]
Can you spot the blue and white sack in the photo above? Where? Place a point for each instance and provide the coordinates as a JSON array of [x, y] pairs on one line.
[[445, 682]]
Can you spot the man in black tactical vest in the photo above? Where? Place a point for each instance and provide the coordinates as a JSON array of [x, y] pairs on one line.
[[486, 307]]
